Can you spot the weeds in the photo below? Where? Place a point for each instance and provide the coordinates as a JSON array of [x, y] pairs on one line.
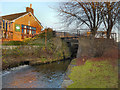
[[53, 51]]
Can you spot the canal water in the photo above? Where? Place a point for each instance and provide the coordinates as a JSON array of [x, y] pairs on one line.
[[40, 76]]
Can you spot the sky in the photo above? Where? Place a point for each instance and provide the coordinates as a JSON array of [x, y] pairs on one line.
[[44, 11]]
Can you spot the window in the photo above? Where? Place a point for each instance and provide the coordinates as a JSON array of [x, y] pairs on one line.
[[0, 24], [17, 27], [9, 24], [33, 28], [27, 31], [33, 32], [6, 26], [23, 26], [3, 24], [24, 31], [28, 27]]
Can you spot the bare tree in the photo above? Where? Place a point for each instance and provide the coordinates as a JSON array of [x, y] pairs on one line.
[[110, 15], [82, 13]]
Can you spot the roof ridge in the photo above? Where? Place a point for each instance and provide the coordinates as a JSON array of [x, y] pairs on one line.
[[14, 14]]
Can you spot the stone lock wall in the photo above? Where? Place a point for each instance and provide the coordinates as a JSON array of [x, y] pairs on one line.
[[93, 47]]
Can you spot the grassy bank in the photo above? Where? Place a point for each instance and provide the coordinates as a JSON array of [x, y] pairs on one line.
[[98, 74], [55, 49]]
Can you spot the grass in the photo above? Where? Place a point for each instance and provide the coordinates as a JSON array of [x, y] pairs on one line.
[[99, 74], [119, 66], [118, 61], [13, 43]]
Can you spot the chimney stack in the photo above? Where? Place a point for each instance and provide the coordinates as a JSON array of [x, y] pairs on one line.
[[29, 9]]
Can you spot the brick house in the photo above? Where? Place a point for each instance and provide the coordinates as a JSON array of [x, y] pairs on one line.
[[16, 27]]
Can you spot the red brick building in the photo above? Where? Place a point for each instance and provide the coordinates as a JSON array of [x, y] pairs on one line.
[[18, 26]]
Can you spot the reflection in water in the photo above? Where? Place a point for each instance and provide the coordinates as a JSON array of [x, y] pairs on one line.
[[41, 76]]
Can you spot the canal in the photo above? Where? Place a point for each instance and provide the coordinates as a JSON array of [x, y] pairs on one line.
[[40, 76]]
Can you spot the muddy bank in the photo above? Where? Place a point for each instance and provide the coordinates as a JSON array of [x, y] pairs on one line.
[[32, 63], [55, 50], [15, 62]]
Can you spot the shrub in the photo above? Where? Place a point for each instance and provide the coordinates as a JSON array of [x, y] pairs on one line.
[[13, 43]]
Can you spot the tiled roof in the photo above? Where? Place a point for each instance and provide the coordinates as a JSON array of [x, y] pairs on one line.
[[13, 16], [17, 15]]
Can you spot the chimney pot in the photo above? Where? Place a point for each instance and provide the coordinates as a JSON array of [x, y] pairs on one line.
[[30, 5]]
